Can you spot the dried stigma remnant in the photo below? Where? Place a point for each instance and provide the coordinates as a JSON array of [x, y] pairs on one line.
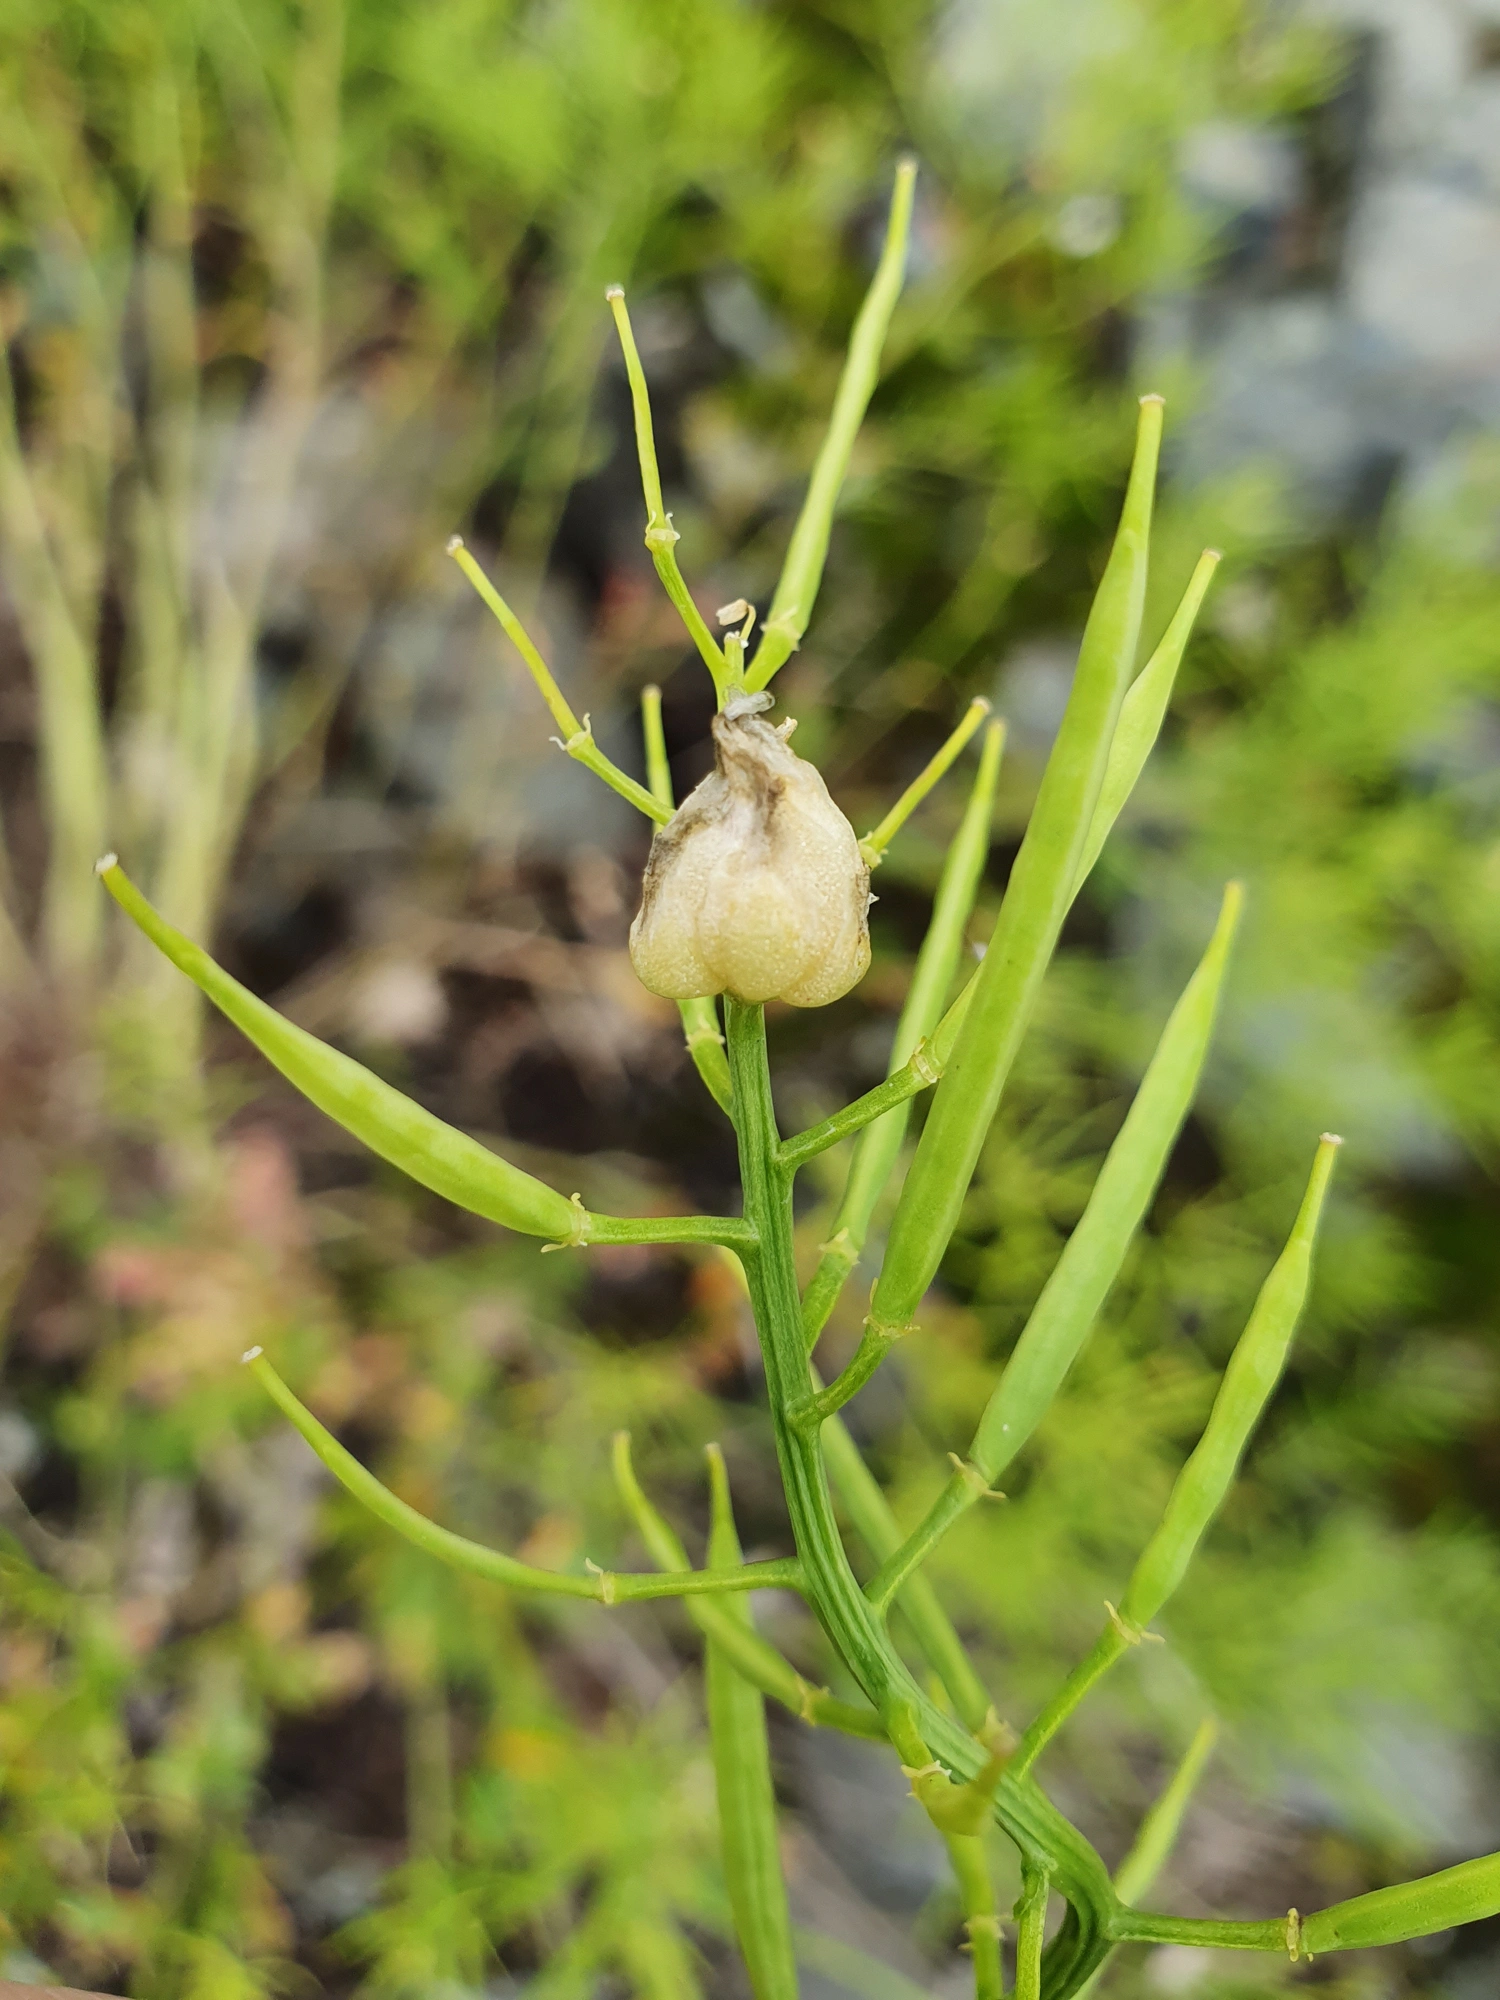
[[756, 886]]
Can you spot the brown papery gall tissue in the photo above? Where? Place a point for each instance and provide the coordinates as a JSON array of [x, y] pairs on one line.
[[756, 886]]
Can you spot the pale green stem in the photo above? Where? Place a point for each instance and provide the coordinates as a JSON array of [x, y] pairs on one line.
[[976, 1894], [577, 738], [602, 1586], [875, 843], [828, 1581], [661, 536]]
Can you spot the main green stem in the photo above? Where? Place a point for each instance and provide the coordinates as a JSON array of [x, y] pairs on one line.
[[1046, 1841]]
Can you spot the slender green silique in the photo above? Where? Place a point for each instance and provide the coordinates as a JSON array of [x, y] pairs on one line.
[[700, 1018], [432, 1153], [879, 1144], [742, 1775], [1254, 1369], [802, 572], [1005, 989], [661, 536], [603, 1586], [879, 838], [577, 737], [758, 1662], [1141, 715], [900, 1087], [1464, 1894], [1091, 1259]]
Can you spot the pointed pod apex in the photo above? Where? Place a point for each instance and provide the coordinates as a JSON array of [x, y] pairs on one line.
[[907, 164], [105, 862], [1153, 397], [1330, 1139], [453, 544], [1213, 555], [614, 291], [251, 1354]]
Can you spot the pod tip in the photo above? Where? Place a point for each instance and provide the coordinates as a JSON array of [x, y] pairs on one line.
[[251, 1354], [614, 291], [105, 862], [453, 544]]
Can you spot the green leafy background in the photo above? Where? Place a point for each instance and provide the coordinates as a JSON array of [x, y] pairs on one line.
[[250, 1745]]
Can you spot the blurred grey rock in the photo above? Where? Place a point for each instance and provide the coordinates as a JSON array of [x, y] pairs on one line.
[[858, 1800], [1349, 371], [1423, 274]]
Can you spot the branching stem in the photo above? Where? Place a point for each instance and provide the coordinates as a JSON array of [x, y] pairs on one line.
[[828, 1582]]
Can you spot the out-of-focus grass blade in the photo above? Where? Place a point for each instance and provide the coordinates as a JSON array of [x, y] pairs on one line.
[[742, 1773], [1159, 1829], [1161, 1826]]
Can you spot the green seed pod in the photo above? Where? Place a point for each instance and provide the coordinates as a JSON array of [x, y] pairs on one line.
[[756, 886]]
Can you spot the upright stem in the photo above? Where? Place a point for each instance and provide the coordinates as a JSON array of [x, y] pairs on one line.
[[1046, 1840]]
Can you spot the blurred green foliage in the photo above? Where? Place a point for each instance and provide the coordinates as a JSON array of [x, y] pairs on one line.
[[186, 1614]]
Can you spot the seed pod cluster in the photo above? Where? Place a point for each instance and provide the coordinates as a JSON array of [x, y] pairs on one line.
[[756, 886]]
